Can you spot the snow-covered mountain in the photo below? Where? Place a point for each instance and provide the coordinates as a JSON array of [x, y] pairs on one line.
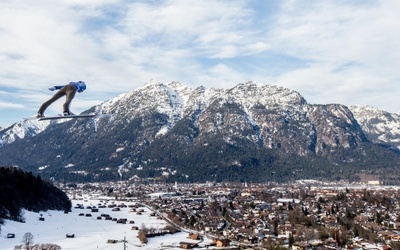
[[379, 126], [21, 130], [174, 132]]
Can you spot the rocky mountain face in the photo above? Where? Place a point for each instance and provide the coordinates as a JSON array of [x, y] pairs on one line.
[[172, 132], [20, 130], [379, 126]]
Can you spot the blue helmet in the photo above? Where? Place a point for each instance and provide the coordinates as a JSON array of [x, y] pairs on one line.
[[81, 86]]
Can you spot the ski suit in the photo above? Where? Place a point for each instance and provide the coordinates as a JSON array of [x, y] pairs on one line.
[[68, 91]]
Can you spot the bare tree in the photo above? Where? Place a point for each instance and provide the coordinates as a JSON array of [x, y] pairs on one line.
[[27, 240], [47, 246]]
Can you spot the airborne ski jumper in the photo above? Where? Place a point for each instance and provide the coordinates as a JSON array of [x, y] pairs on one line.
[[68, 91]]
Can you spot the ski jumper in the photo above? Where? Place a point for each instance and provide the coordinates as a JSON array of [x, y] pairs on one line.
[[68, 91]]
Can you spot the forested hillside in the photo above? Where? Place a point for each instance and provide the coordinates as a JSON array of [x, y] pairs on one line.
[[23, 190]]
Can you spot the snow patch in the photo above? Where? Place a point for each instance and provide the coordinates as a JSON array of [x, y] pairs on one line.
[[43, 167], [119, 149], [162, 131], [90, 233], [80, 172]]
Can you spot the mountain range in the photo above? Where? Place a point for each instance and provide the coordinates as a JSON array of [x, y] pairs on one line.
[[171, 132]]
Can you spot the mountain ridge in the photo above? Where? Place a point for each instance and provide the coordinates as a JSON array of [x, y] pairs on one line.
[[173, 132]]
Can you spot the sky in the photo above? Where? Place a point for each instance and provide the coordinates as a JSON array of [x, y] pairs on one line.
[[330, 51]]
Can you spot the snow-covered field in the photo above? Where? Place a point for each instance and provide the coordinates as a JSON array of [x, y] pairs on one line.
[[90, 233]]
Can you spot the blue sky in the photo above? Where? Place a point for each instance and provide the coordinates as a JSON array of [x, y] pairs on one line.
[[336, 51]]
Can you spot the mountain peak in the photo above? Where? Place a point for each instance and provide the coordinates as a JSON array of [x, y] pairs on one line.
[[21, 130], [379, 126], [171, 131]]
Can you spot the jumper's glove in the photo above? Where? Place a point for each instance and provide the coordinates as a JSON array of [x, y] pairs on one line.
[[52, 88]]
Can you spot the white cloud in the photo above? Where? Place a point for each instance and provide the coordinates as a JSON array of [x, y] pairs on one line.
[[216, 29], [347, 47], [6, 105], [350, 49]]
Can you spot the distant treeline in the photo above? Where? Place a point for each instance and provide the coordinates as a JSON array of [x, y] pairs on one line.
[[22, 190]]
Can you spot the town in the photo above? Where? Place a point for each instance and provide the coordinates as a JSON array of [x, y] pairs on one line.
[[305, 214]]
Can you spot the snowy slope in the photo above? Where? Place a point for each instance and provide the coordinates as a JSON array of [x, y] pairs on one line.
[[380, 126], [89, 232], [168, 125], [21, 130]]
